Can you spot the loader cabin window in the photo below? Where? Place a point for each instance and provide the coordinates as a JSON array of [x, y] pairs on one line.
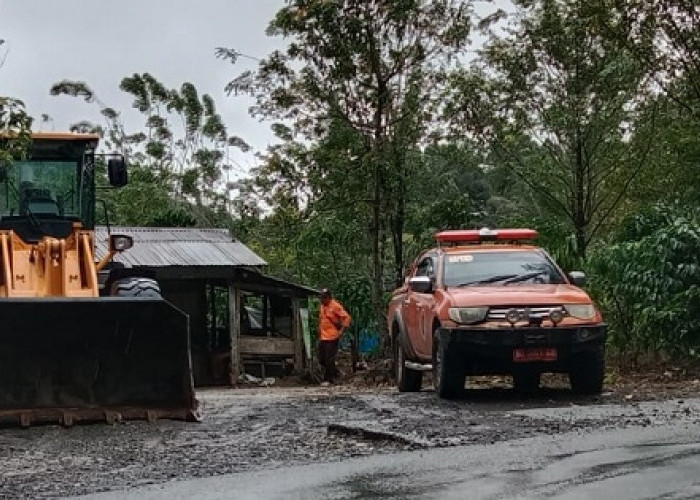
[[46, 193], [500, 269], [43, 189]]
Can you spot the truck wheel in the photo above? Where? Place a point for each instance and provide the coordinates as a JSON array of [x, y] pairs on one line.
[[407, 380], [448, 372], [526, 381], [587, 372], [136, 287]]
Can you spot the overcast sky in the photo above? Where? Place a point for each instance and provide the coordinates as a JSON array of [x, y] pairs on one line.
[[101, 41]]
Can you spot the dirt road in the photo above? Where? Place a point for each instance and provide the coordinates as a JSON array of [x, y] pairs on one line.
[[268, 428]]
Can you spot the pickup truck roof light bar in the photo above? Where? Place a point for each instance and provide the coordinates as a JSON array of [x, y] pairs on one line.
[[476, 236]]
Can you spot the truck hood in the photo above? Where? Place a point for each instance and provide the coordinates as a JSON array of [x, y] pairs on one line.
[[516, 295]]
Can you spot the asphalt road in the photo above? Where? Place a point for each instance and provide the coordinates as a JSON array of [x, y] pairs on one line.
[[659, 460]]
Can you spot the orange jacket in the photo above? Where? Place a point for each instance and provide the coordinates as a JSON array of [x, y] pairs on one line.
[[331, 318]]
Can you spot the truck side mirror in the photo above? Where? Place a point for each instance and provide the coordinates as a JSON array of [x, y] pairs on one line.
[[116, 169], [421, 284], [578, 278]]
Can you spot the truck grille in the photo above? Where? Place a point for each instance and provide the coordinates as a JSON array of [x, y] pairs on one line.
[[499, 313]]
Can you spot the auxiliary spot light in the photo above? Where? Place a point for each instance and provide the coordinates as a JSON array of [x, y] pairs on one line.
[[512, 316], [556, 316]]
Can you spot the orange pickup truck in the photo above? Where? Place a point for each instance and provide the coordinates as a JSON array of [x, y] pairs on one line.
[[485, 302]]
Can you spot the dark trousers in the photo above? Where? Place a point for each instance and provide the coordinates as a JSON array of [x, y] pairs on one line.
[[327, 351]]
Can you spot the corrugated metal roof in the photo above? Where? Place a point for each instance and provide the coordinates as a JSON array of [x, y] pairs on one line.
[[169, 247]]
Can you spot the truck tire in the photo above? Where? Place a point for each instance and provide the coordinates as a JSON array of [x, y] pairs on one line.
[[448, 371], [587, 372], [136, 287], [526, 381], [407, 380]]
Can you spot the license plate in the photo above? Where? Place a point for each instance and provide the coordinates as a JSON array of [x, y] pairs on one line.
[[539, 354]]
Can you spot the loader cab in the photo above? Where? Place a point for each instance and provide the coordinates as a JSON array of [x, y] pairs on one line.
[[54, 188]]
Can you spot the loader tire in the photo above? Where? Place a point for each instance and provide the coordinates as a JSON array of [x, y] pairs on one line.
[[136, 287]]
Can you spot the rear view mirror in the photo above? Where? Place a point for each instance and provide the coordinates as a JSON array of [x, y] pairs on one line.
[[578, 278], [116, 169], [120, 242], [421, 284]]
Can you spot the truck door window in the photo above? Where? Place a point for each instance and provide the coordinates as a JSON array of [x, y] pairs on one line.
[[426, 268]]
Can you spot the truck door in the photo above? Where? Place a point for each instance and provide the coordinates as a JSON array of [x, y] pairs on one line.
[[419, 312]]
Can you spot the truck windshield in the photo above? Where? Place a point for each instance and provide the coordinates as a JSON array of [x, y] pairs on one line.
[[41, 188], [500, 268]]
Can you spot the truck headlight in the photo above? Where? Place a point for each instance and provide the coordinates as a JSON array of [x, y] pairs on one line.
[[580, 311], [467, 315]]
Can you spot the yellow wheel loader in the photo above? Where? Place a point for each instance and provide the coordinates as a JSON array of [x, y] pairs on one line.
[[70, 349]]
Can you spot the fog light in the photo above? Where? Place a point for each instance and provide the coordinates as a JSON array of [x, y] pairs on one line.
[[512, 316], [584, 333], [556, 316]]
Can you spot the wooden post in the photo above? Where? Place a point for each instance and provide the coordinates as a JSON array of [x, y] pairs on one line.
[[297, 336], [234, 317]]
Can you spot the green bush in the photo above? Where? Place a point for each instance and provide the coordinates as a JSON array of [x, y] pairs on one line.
[[648, 283]]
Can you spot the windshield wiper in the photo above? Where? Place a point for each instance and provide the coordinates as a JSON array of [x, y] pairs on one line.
[[492, 279], [523, 277]]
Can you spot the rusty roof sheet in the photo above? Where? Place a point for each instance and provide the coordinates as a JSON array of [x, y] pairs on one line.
[[175, 247], [65, 136]]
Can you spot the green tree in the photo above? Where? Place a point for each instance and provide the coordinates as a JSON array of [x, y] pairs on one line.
[[15, 124], [15, 129], [560, 107], [664, 36], [448, 189], [177, 159], [648, 282], [369, 68]]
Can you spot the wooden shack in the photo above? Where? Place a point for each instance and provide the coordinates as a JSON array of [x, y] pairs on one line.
[[241, 320]]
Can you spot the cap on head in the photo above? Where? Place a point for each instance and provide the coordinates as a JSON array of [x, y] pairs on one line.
[[326, 293]]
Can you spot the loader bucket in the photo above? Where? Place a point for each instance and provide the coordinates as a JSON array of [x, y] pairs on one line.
[[84, 359]]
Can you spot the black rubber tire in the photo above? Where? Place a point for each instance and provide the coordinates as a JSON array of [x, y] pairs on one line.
[[448, 372], [526, 381], [587, 373], [136, 287], [407, 380]]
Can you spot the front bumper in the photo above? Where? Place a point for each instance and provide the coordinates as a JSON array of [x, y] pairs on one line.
[[490, 350]]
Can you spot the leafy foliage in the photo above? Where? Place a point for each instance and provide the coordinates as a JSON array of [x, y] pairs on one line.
[[177, 160], [649, 282], [15, 129], [557, 104], [362, 78]]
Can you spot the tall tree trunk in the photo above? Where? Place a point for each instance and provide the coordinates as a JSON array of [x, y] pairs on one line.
[[398, 217], [579, 209], [377, 262], [379, 194]]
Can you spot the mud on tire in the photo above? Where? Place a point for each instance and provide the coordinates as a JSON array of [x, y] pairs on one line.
[[407, 380], [135, 287], [587, 372], [448, 371]]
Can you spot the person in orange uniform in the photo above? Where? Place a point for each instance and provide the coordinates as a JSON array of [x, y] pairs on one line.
[[333, 320]]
